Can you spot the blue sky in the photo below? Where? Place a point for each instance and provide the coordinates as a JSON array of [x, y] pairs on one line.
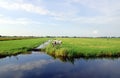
[[60, 17]]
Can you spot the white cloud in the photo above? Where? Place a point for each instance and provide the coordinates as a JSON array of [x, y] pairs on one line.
[[108, 12], [98, 20], [23, 21], [39, 9], [107, 7], [108, 20], [1, 15], [95, 32], [24, 6]]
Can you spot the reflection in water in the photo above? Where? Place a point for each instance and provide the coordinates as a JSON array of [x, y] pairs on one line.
[[72, 60], [26, 66], [40, 65], [15, 55], [65, 59]]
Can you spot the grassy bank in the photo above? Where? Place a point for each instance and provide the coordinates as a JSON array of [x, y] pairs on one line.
[[17, 46], [86, 47]]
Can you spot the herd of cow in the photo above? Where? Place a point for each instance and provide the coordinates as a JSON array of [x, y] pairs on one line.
[[56, 42]]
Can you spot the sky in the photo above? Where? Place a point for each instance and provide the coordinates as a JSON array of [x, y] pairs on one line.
[[60, 18]]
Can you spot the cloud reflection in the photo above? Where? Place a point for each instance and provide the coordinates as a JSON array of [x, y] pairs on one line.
[[26, 66]]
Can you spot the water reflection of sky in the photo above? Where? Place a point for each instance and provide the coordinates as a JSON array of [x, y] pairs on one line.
[[38, 65]]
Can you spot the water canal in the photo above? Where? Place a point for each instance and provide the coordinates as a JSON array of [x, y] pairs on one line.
[[41, 65]]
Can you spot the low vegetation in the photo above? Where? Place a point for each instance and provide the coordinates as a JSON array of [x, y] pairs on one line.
[[17, 46], [14, 38], [86, 47], [70, 47]]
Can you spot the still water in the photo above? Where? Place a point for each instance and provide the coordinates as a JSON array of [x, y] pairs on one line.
[[41, 65]]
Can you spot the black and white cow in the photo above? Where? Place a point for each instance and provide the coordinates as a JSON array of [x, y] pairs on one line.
[[56, 42]]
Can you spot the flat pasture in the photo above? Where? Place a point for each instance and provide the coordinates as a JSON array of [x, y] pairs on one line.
[[86, 47]]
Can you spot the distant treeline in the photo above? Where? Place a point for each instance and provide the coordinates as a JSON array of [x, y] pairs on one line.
[[24, 37], [75, 37], [6, 38]]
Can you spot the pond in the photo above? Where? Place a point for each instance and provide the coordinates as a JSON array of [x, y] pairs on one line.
[[41, 65]]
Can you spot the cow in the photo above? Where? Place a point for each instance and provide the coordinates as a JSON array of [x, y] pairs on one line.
[[56, 42]]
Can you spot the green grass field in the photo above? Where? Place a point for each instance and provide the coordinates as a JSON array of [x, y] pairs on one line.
[[71, 47], [86, 47], [17, 46]]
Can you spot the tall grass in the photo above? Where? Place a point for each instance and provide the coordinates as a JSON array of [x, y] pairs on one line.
[[18, 46], [86, 47]]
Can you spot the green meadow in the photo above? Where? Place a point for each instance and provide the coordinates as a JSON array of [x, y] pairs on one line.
[[70, 47], [86, 47], [12, 47]]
